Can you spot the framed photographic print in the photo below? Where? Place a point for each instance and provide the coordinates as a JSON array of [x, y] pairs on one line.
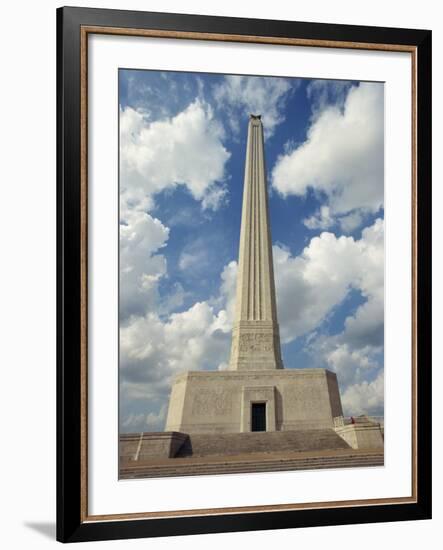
[[244, 274]]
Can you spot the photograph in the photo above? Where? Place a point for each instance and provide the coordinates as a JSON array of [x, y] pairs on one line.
[[251, 273]]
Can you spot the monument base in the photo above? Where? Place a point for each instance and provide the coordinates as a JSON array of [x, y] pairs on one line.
[[245, 401], [362, 433]]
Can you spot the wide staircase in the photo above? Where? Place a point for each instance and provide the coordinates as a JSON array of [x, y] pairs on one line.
[[201, 445], [256, 452], [253, 462]]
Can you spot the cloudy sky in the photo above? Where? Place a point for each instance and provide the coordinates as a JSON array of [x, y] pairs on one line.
[[182, 148]]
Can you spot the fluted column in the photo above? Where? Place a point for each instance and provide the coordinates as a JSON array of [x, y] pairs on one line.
[[255, 335]]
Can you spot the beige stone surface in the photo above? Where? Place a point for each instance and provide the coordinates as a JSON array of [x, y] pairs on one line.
[[220, 402], [255, 334], [147, 445], [362, 435], [253, 462]]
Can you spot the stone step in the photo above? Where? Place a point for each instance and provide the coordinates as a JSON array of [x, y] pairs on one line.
[[239, 443], [178, 472], [242, 466]]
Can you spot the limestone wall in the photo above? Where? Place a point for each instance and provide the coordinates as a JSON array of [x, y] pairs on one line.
[[366, 435], [220, 402], [143, 446]]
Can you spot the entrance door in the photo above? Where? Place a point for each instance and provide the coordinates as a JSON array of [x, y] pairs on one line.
[[258, 417]]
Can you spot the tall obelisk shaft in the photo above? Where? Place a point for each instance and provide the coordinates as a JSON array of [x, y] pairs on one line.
[[255, 334]]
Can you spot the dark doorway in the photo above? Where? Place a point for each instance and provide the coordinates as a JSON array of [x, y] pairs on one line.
[[258, 417]]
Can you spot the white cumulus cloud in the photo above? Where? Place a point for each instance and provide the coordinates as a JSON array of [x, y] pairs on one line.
[[156, 155], [350, 365], [186, 149], [242, 95], [322, 219], [141, 236], [342, 159], [309, 286], [365, 397]]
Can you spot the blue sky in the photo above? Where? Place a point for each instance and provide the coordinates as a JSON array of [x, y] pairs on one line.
[[182, 148]]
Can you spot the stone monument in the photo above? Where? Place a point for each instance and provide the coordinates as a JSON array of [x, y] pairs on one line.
[[256, 406], [256, 393]]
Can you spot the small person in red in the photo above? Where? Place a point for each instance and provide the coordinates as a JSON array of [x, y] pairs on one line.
[[352, 420]]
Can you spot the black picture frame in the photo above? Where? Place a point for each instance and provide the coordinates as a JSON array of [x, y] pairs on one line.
[[72, 525]]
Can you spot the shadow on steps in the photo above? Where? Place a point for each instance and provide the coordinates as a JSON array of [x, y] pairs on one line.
[[253, 442]]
